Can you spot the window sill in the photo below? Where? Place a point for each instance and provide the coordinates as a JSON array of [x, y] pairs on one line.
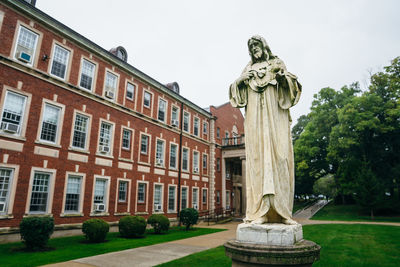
[[16, 137], [39, 142], [158, 212], [122, 213], [38, 215], [71, 215], [124, 159], [104, 155], [79, 150], [160, 166], [6, 216], [92, 214], [144, 163], [172, 212], [141, 213]]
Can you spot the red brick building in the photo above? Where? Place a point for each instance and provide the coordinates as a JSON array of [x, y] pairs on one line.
[[84, 134]]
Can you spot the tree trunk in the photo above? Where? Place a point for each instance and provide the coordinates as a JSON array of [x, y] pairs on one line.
[[372, 214]]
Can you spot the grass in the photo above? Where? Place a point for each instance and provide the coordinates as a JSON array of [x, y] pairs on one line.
[[333, 212], [69, 248], [342, 245]]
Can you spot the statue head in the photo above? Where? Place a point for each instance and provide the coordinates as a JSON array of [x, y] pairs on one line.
[[259, 49]]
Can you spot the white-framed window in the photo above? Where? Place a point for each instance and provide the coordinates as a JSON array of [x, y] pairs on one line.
[[100, 196], [172, 198], [205, 160], [195, 198], [130, 90], [141, 197], [25, 47], [59, 62], [80, 131], [228, 199], [146, 99], [173, 158], [196, 126], [218, 197], [6, 181], [175, 116], [73, 194], [12, 115], [226, 134], [144, 144], [105, 138], [204, 194], [162, 107], [185, 159], [196, 161], [158, 197], [205, 127], [87, 75], [40, 192], [186, 121], [126, 139], [184, 197], [160, 144], [122, 191], [50, 123], [110, 85], [218, 164], [218, 132]]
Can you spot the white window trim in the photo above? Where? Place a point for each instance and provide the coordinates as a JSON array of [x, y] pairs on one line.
[[50, 195], [183, 126], [25, 115], [162, 198], [122, 138], [94, 81], [151, 101], [59, 126], [207, 127], [202, 202], [187, 196], [68, 63], [86, 149], [146, 195], [175, 198], [126, 91], [128, 195], [188, 164], [199, 126], [35, 56], [165, 111], [107, 196], [131, 150], [163, 153], [205, 170], [140, 154], [110, 154], [81, 194], [198, 161], [178, 113], [12, 189], [198, 194], [176, 156], [115, 99]]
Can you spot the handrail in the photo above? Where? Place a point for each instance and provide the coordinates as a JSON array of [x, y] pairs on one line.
[[233, 141]]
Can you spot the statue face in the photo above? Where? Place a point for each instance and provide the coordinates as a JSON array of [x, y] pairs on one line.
[[256, 49]]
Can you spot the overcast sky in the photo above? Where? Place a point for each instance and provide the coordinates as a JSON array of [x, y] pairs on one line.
[[202, 45]]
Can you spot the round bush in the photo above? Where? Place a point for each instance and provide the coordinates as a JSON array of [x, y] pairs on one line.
[[36, 231], [132, 226], [189, 217], [159, 222], [95, 230]]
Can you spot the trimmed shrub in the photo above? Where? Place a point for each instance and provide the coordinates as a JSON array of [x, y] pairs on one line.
[[159, 222], [36, 231], [132, 226], [95, 230], [188, 217]]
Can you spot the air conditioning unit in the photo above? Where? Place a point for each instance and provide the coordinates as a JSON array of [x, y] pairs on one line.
[[175, 123], [25, 57], [159, 162], [228, 175], [104, 149], [157, 207], [110, 94], [196, 169], [99, 207], [195, 206], [2, 206], [228, 207], [10, 127]]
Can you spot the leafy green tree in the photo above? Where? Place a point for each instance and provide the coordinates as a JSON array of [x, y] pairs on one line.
[[325, 186]]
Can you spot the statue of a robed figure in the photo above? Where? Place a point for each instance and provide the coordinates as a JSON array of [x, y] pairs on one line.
[[267, 90]]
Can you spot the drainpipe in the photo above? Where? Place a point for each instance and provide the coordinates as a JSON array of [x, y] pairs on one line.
[[180, 161]]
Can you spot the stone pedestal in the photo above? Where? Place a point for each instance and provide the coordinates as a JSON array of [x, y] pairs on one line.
[[271, 245]]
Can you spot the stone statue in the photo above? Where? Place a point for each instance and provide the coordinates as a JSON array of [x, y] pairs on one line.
[[267, 91]]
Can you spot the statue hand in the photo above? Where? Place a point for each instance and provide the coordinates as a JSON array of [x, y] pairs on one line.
[[246, 76]]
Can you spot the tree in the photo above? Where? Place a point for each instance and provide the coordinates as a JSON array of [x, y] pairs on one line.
[[325, 186]]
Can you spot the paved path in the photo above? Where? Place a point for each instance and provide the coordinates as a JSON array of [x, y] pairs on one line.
[[159, 253], [308, 212]]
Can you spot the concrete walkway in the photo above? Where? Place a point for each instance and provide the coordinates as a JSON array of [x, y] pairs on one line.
[[308, 212], [159, 253]]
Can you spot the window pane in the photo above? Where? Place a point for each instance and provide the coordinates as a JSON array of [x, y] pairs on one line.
[[80, 131], [185, 159], [50, 123], [160, 150], [73, 193], [144, 144], [126, 139], [130, 90], [172, 158], [5, 185], [60, 61], [87, 74], [105, 134], [161, 110], [195, 161], [26, 44], [204, 161], [196, 126], [147, 99], [111, 82], [157, 195], [100, 191], [184, 198], [204, 196], [123, 188], [13, 110], [171, 198], [186, 122], [40, 190], [142, 193]]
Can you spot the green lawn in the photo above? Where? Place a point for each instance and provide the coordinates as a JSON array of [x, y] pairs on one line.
[[333, 212], [68, 248], [342, 245]]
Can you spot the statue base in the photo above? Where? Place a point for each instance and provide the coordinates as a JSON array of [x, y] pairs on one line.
[[271, 244]]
